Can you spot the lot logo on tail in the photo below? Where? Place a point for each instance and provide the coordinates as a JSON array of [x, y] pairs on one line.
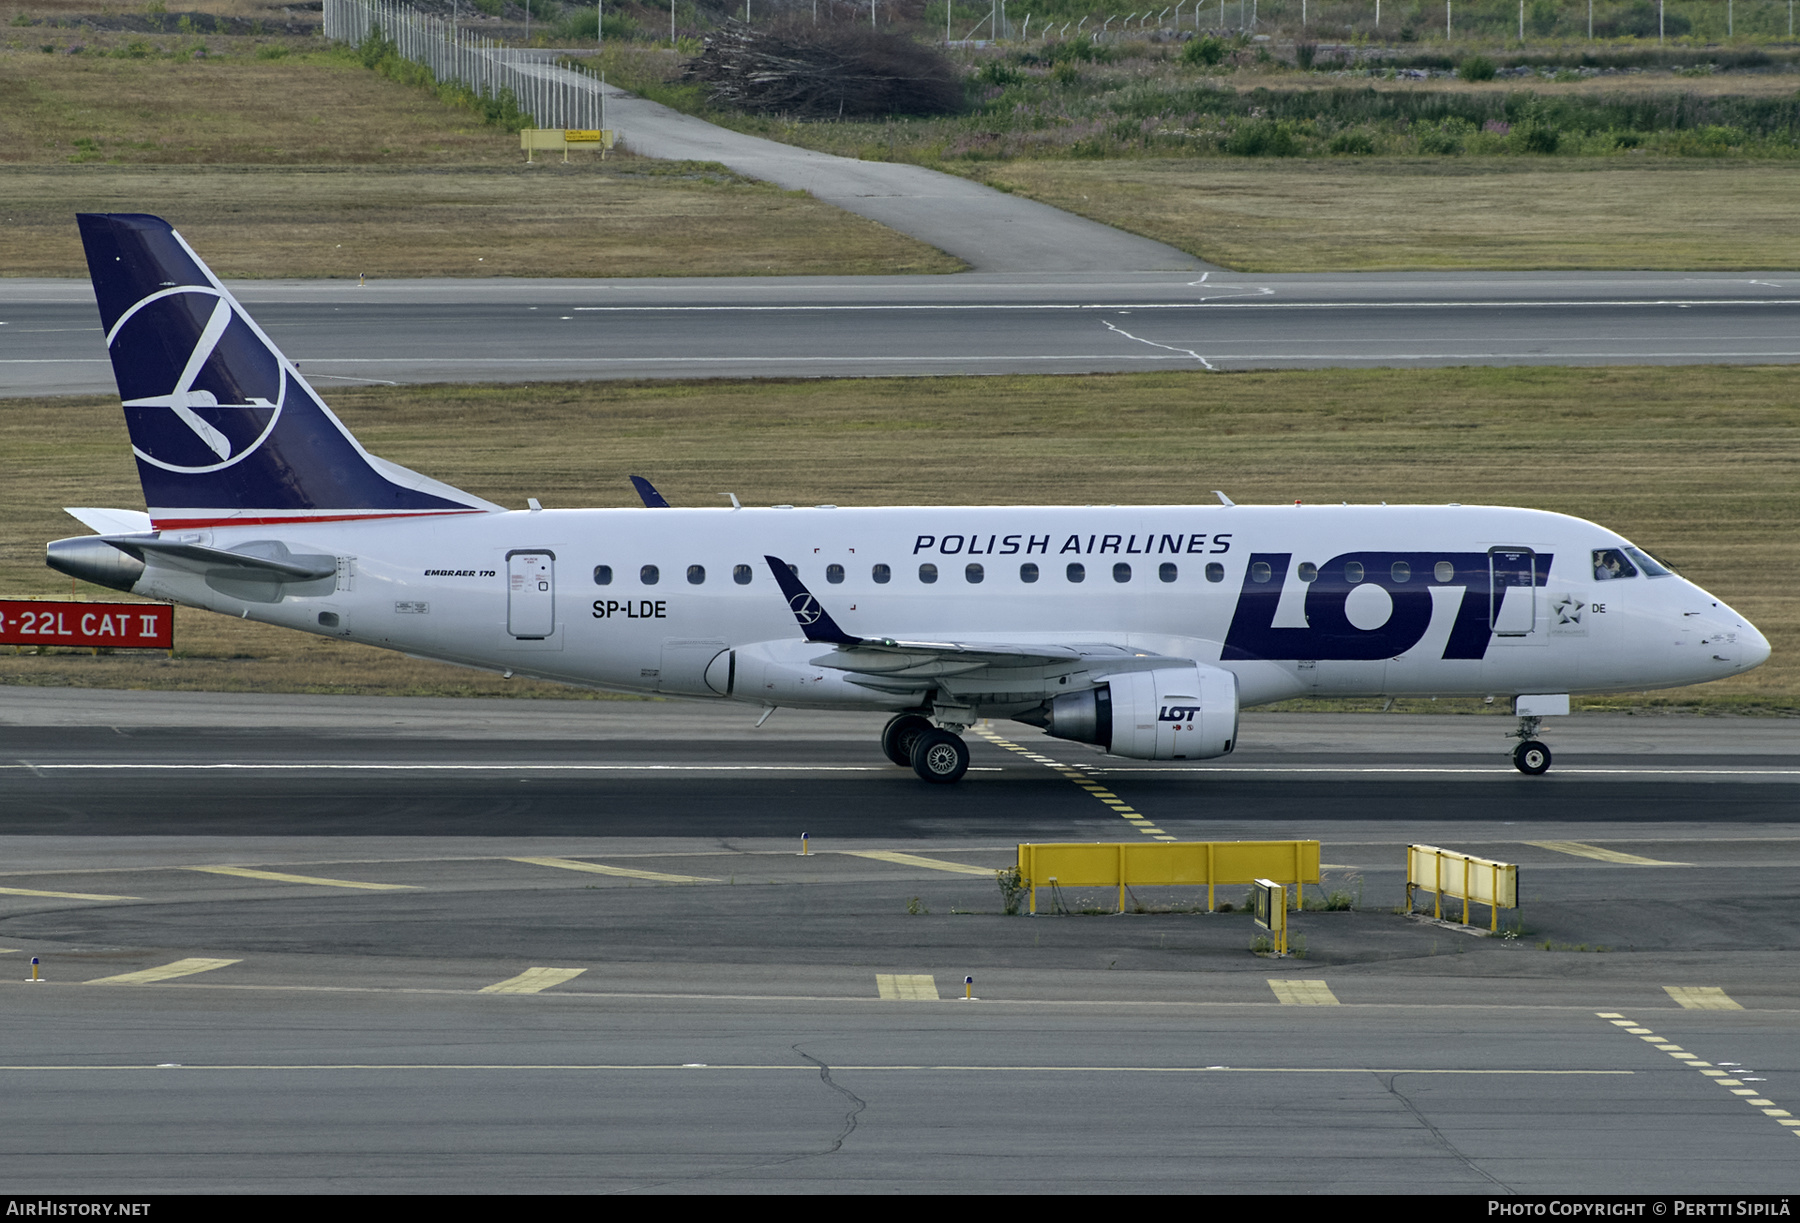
[[201, 387]]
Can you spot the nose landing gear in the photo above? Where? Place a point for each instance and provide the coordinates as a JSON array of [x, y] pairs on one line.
[[1530, 757]]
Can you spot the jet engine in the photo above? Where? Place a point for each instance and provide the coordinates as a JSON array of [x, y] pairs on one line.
[[1185, 712]]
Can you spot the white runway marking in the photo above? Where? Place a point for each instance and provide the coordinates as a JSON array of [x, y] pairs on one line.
[[1499, 770]]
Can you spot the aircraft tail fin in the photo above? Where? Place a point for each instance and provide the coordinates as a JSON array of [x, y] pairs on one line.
[[224, 428]]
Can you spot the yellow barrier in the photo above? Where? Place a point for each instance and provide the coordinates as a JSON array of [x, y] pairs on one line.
[[1444, 872], [560, 138], [1166, 863]]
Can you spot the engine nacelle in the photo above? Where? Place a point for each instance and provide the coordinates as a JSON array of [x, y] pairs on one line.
[[1170, 713]]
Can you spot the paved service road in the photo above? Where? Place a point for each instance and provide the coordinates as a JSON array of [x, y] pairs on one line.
[[305, 943], [508, 331]]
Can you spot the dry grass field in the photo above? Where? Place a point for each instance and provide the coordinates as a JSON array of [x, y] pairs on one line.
[[311, 165], [1381, 214], [1699, 464]]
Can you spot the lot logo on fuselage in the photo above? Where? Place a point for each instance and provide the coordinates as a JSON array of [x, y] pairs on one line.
[[1363, 606], [806, 609], [201, 389]]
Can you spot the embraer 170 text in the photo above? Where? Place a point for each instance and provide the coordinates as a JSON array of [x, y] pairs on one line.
[[1141, 629]]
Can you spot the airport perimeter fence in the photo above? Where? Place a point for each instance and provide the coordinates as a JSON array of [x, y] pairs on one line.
[[554, 96]]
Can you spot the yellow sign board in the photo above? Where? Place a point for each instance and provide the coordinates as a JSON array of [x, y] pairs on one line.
[[531, 138], [1444, 872], [1166, 863]]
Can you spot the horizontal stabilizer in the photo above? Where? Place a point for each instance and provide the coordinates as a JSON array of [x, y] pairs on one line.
[[264, 560], [110, 522]]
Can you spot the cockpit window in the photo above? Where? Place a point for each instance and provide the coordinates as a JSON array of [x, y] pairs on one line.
[[1611, 564], [1649, 564]]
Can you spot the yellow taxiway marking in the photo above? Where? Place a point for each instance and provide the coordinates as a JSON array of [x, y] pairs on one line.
[[1303, 993], [1702, 997], [624, 872], [533, 981], [1118, 807], [244, 872], [1578, 850], [1750, 1095], [61, 895], [930, 864], [164, 972], [906, 987]]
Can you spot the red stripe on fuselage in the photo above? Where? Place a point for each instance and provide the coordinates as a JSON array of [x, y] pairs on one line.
[[178, 524]]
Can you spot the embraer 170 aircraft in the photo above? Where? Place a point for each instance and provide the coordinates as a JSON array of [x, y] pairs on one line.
[[1141, 629]]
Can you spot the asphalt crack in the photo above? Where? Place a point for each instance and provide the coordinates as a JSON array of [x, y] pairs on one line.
[[1387, 1081], [857, 1101]]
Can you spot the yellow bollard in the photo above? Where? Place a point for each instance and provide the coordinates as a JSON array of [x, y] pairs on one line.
[[968, 989], [34, 968], [804, 837]]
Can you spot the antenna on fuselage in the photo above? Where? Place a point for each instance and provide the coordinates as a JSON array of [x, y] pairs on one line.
[[1223, 499]]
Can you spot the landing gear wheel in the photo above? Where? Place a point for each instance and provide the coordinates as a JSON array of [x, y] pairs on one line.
[[1531, 758], [899, 735], [939, 756]]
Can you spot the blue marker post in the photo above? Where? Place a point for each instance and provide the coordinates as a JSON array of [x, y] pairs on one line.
[[968, 989], [804, 837], [34, 968]]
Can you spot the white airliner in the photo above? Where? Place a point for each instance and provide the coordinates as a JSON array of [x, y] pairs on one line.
[[1142, 629]]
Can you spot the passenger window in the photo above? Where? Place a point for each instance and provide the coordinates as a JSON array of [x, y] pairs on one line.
[[741, 575], [1028, 572], [603, 575], [1260, 572], [1167, 571], [974, 573], [1443, 571], [1610, 563], [1215, 572], [1309, 572], [1353, 572], [1401, 572], [1121, 572], [648, 575], [928, 573], [696, 574], [882, 574], [834, 574], [1077, 571]]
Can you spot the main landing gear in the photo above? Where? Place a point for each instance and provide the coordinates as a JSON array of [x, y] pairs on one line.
[[935, 755], [1530, 757]]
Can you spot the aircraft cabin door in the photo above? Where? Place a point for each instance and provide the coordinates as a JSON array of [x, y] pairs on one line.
[[531, 594], [1512, 591]]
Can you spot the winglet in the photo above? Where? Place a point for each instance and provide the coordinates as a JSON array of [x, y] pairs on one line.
[[814, 620], [653, 500]]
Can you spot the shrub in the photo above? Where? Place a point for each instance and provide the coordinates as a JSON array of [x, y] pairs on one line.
[[1208, 52], [1476, 68], [1355, 144], [1538, 138], [1305, 53], [1262, 138]]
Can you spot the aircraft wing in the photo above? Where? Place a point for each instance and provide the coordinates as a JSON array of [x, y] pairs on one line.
[[888, 658]]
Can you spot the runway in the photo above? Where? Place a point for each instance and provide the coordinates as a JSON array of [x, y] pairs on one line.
[[319, 943], [511, 331]]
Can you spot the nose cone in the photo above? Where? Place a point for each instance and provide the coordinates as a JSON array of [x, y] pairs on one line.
[[1753, 647]]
